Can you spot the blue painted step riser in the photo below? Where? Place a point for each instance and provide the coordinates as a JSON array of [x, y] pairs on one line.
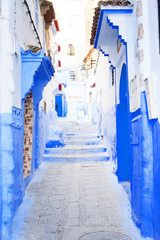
[[87, 159], [70, 151], [79, 137]]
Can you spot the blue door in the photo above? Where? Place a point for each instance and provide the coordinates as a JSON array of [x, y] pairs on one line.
[[123, 130], [61, 105], [58, 105]]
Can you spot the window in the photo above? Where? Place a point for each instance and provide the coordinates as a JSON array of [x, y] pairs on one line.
[[72, 75], [70, 51]]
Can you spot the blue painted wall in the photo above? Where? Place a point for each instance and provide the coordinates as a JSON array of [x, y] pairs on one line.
[[19, 183], [142, 169], [0, 182], [156, 174], [7, 174], [36, 73], [136, 122], [17, 130], [147, 170]]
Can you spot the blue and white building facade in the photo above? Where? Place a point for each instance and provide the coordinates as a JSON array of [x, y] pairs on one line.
[[126, 34], [26, 67], [72, 41]]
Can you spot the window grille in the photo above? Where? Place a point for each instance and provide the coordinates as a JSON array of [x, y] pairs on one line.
[[72, 75]]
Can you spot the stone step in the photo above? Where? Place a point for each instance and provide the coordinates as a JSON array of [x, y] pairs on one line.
[[92, 157], [79, 136], [69, 149], [70, 125], [95, 141]]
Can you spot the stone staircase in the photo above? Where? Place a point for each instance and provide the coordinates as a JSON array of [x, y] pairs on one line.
[[82, 143]]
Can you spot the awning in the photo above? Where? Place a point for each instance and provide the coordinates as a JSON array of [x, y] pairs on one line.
[[101, 4], [36, 72], [89, 55], [109, 28]]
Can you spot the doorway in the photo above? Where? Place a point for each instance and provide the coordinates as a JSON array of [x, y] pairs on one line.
[[123, 129]]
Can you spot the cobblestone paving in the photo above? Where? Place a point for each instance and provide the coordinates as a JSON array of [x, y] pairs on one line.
[[67, 200]]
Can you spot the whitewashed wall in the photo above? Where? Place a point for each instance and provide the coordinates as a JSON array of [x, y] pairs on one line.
[[106, 105], [6, 61], [150, 8], [17, 32]]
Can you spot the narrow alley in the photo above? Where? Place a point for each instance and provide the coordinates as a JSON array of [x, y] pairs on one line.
[[78, 200], [80, 120]]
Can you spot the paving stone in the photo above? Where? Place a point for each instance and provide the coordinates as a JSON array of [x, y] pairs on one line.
[[47, 236], [105, 236], [73, 222], [64, 201], [49, 228], [73, 213], [92, 212], [94, 221], [54, 220]]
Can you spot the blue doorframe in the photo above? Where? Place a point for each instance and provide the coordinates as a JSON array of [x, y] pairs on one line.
[[123, 129]]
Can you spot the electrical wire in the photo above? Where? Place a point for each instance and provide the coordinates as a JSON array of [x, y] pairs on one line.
[[66, 69], [32, 22]]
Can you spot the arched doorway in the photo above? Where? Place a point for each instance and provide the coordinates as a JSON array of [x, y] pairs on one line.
[[123, 129], [61, 105]]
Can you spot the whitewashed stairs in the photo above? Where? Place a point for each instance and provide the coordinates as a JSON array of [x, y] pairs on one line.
[[79, 147]]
